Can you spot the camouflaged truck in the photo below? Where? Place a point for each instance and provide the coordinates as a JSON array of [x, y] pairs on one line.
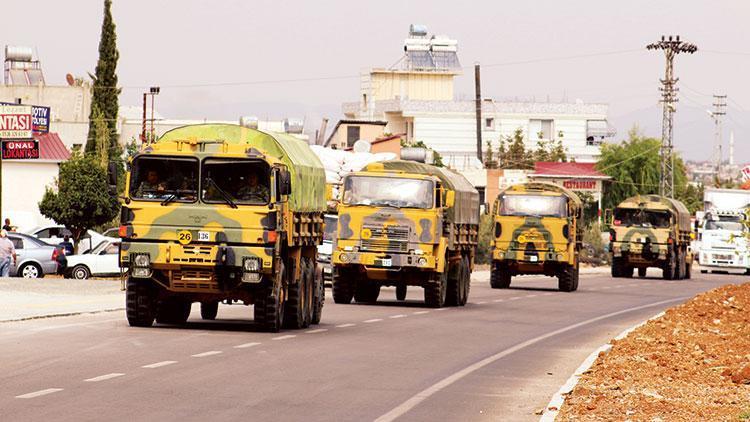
[[650, 231], [537, 230], [405, 223], [218, 213]]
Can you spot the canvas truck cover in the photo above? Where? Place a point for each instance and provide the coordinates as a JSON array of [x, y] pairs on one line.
[[308, 177], [659, 202], [466, 207]]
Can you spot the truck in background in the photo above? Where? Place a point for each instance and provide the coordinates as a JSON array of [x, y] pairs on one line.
[[723, 242], [725, 199]]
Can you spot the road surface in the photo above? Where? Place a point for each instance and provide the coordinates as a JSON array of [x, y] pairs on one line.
[[500, 357]]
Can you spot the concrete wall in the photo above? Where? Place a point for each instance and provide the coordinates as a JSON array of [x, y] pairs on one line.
[[24, 183], [389, 84], [367, 132]]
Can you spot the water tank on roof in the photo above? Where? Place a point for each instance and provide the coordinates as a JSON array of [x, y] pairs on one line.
[[417, 30], [17, 53], [420, 155], [294, 125], [250, 122]]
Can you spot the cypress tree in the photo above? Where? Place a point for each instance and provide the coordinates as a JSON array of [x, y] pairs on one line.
[[105, 91]]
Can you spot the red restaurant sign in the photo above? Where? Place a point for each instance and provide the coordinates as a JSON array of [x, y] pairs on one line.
[[15, 121], [574, 184], [20, 149]]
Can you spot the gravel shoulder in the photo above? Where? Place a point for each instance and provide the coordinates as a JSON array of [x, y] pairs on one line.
[[692, 363]]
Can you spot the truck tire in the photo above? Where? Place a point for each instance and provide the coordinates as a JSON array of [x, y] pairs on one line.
[[173, 311], [366, 291], [401, 292], [140, 302], [499, 276], [670, 267], [296, 307], [209, 310], [465, 281], [567, 279], [436, 290], [269, 306], [342, 286], [616, 267], [320, 292], [627, 271], [680, 273], [453, 292], [642, 272], [688, 270]]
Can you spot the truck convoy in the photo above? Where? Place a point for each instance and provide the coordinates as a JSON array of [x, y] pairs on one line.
[[537, 230], [219, 212], [405, 223], [723, 242], [651, 231]]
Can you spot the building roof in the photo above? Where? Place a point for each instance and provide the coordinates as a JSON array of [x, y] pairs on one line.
[[51, 147], [353, 122], [380, 140], [567, 170], [489, 107]]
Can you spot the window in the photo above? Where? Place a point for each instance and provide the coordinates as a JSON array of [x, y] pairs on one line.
[[388, 191], [112, 249], [43, 234], [242, 182], [17, 242], [533, 205], [164, 178], [489, 123], [352, 135], [541, 129]]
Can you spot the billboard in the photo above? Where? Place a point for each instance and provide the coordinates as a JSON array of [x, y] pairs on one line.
[[39, 117], [15, 121], [20, 149]]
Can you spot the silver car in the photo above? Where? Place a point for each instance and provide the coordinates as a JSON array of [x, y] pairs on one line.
[[34, 257]]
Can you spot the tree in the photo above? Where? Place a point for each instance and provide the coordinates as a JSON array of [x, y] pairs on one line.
[[80, 198], [516, 156], [105, 91], [101, 136], [489, 157]]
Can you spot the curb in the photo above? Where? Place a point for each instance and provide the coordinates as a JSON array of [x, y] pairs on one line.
[[553, 407], [101, 311]]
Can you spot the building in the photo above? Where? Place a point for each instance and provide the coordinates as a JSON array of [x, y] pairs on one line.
[[418, 99], [24, 181], [578, 177], [347, 132]]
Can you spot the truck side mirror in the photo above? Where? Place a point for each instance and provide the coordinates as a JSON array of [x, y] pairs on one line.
[[608, 218], [284, 182], [450, 198], [112, 177]]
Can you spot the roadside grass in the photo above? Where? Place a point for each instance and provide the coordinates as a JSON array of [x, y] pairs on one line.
[[744, 416]]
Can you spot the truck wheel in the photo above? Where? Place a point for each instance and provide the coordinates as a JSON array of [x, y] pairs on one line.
[[366, 291], [320, 292], [209, 310], [309, 278], [464, 281], [140, 302], [499, 276], [627, 271], [642, 272], [342, 286], [269, 306], [435, 291], [173, 311], [680, 273], [567, 279], [453, 292], [616, 267], [296, 304], [688, 270], [401, 292], [670, 267]]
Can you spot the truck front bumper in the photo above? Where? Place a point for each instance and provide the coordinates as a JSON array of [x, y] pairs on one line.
[[383, 260]]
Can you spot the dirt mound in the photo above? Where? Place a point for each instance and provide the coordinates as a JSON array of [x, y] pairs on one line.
[[693, 363]]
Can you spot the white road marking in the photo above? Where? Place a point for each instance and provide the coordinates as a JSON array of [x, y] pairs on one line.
[[209, 353], [319, 330], [246, 345], [548, 294], [499, 300], [288, 336], [421, 312], [529, 296], [515, 298], [397, 316], [441, 309], [345, 325], [481, 303], [606, 287], [104, 377], [370, 321], [39, 393], [423, 395], [81, 324], [159, 364]]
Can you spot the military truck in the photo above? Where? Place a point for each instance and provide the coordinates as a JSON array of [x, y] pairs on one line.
[[405, 223], [218, 212], [537, 230], [650, 231]]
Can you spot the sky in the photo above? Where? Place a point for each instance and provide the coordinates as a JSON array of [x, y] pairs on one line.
[[222, 59]]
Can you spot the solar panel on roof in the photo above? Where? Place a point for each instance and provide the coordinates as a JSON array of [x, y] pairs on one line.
[[419, 60], [445, 60]]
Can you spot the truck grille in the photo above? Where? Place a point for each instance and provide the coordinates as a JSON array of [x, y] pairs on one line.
[[386, 239], [383, 245], [194, 280]]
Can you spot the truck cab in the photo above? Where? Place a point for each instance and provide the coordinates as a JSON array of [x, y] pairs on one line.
[[723, 242]]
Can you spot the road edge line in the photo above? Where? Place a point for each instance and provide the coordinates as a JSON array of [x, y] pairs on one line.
[[558, 399], [31, 318]]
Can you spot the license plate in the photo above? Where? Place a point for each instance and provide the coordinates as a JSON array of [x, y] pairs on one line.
[[723, 257], [384, 262], [203, 237], [533, 258]]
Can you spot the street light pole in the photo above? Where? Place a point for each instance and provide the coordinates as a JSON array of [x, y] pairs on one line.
[[154, 91]]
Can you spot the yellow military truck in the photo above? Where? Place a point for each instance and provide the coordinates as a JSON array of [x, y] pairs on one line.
[[650, 231], [222, 213], [537, 230], [405, 223]]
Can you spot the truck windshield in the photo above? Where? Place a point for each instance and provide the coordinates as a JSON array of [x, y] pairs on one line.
[[388, 191], [725, 224], [164, 178], [534, 205], [235, 181], [641, 218]]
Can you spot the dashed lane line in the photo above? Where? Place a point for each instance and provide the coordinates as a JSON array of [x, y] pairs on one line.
[[499, 300], [515, 298], [159, 364], [397, 316], [288, 336], [481, 303], [319, 330], [39, 393], [104, 377], [441, 309], [345, 325], [420, 312], [209, 353], [246, 345], [370, 321]]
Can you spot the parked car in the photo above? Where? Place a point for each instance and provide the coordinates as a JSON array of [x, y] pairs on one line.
[[56, 234], [113, 232], [103, 260], [35, 258]]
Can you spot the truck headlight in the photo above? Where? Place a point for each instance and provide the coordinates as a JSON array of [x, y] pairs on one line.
[[142, 260], [251, 264], [422, 261], [251, 277], [344, 258]]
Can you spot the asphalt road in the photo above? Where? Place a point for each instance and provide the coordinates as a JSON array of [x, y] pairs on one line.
[[499, 358]]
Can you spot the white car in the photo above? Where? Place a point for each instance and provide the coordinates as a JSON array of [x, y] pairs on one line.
[[56, 234], [103, 260]]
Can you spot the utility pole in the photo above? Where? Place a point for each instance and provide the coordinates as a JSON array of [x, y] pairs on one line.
[[478, 91], [671, 46], [720, 109]]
